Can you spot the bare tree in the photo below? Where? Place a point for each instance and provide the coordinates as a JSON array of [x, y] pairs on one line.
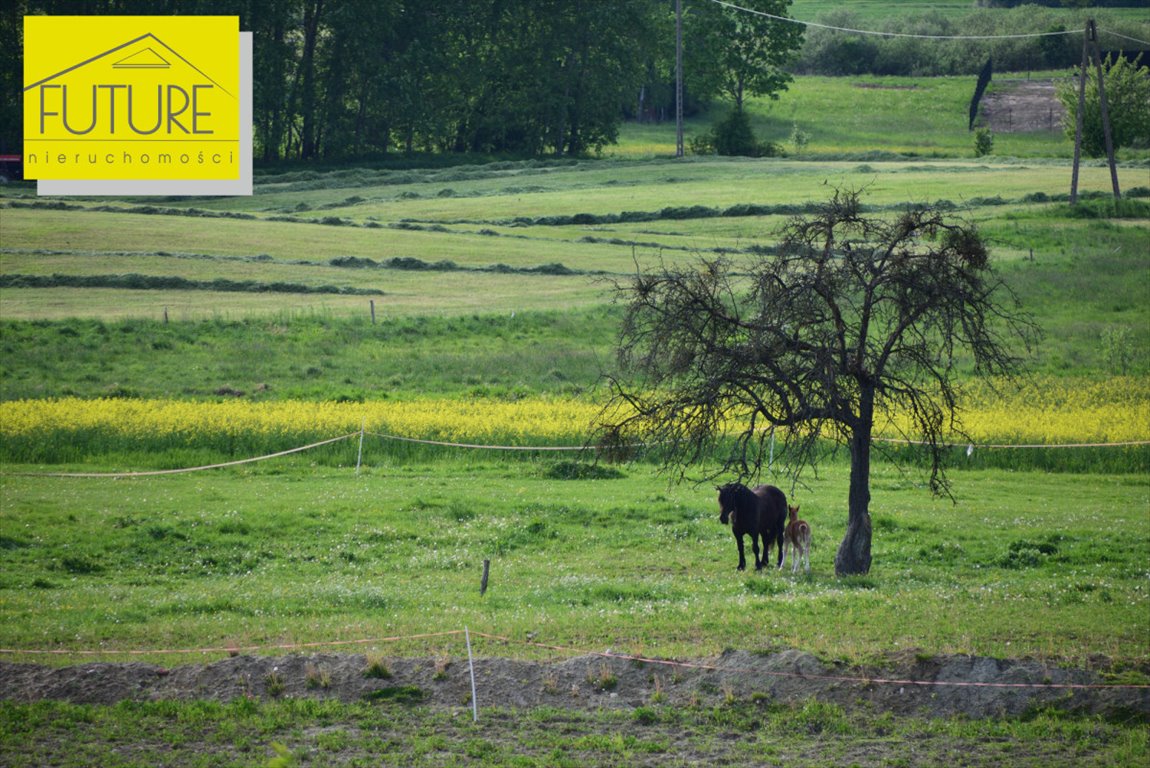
[[850, 320]]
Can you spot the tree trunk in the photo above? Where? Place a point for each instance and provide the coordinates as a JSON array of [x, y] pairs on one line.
[[853, 557], [273, 138], [308, 99]]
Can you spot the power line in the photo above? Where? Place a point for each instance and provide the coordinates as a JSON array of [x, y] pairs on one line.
[[876, 33], [1144, 43]]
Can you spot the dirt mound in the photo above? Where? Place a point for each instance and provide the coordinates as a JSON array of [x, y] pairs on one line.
[[939, 686]]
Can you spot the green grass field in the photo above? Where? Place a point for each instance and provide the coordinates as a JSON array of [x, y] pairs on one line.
[[493, 248], [496, 285], [857, 117], [286, 554], [878, 10]]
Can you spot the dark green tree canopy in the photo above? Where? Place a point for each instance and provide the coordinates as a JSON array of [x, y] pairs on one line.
[[740, 52], [361, 78]]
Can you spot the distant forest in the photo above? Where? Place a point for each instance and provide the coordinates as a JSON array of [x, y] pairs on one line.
[[357, 79]]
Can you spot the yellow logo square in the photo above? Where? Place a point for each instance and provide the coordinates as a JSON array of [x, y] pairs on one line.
[[132, 97]]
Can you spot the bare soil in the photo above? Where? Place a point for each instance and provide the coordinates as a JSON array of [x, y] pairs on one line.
[[942, 687], [1022, 106]]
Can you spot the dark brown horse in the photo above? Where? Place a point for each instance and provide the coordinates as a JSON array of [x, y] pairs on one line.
[[759, 513]]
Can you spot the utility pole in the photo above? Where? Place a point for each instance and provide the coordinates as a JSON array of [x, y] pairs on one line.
[[1106, 134], [678, 78], [1090, 51]]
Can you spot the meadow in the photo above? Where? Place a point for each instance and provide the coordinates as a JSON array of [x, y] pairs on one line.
[[470, 252], [286, 552], [878, 10], [495, 324], [276, 557]]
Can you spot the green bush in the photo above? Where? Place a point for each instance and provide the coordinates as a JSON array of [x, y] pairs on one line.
[[733, 136], [578, 470], [702, 143], [799, 138], [983, 142], [1128, 106]]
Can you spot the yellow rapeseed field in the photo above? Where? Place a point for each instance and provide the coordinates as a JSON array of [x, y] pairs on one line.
[[1054, 411], [553, 421], [1047, 411]]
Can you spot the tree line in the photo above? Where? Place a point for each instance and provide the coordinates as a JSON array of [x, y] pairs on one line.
[[831, 52], [357, 79], [348, 79]]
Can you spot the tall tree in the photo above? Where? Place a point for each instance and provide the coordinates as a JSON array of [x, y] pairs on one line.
[[308, 88], [740, 51], [607, 44], [358, 78], [11, 76], [551, 75], [273, 61], [360, 72], [1127, 86], [852, 320]]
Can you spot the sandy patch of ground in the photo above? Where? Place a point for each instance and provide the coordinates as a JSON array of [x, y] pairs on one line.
[[1022, 106]]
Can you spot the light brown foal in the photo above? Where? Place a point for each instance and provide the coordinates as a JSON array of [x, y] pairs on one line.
[[797, 539]]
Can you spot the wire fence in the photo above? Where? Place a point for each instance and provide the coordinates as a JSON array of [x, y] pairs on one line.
[[566, 449]]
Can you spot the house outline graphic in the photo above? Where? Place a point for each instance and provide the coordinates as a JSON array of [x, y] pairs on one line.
[[119, 65], [145, 59]]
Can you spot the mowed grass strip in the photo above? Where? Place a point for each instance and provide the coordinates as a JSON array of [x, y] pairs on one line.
[[405, 295], [606, 187], [88, 231], [113, 304], [611, 187], [483, 232]]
